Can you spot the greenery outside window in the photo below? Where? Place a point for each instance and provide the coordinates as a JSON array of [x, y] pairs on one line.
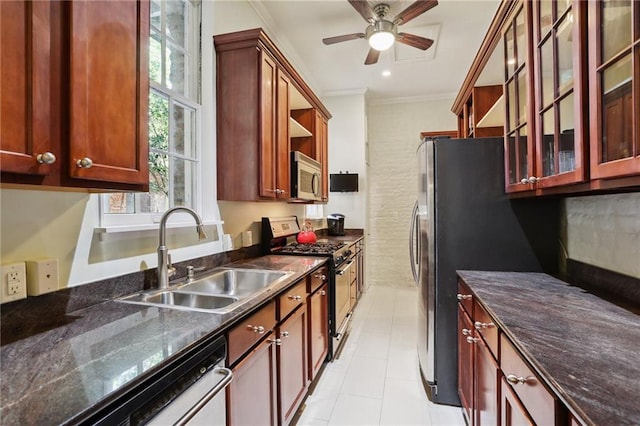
[[174, 119]]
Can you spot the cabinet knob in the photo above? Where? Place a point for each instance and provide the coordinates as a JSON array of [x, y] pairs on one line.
[[256, 328], [278, 342], [480, 325], [533, 179], [323, 293], [464, 296], [516, 380], [285, 334], [321, 276], [524, 181], [466, 332], [85, 163], [292, 297], [46, 158], [472, 339]]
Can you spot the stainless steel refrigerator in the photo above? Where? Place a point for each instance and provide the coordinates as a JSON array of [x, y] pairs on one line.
[[463, 220]]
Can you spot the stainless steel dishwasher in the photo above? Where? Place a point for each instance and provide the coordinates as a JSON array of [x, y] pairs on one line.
[[188, 391]]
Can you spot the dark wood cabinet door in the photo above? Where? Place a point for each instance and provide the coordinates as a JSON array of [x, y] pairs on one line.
[[465, 364], [318, 311], [251, 396], [486, 386], [268, 127], [512, 411], [292, 364], [283, 159], [25, 87], [322, 152], [109, 91]]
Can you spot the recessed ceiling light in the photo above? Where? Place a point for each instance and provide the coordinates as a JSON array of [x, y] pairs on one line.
[[386, 73]]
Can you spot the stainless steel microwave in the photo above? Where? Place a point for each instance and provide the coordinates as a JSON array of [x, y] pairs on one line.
[[306, 175]]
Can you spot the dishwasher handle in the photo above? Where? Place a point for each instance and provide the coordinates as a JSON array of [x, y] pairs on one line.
[[228, 376]]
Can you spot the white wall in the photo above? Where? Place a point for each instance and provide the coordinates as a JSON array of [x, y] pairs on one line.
[[394, 134], [347, 142]]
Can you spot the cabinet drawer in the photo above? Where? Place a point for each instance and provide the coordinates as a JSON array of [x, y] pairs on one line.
[[292, 298], [538, 401], [485, 326], [465, 297], [251, 330], [317, 278]]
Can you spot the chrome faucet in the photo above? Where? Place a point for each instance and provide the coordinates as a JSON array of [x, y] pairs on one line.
[[164, 260]]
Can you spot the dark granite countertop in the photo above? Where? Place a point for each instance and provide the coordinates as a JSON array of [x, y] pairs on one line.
[[585, 348], [80, 360]]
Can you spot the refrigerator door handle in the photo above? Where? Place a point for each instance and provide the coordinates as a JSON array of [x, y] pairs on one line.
[[413, 243]]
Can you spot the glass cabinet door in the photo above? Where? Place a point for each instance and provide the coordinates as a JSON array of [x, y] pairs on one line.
[[518, 149], [614, 47], [557, 36]]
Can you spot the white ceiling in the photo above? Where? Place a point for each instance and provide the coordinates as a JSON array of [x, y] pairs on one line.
[[457, 27]]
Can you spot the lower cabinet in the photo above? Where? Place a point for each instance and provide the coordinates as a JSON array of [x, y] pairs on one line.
[[318, 313], [276, 352], [251, 396], [291, 359], [496, 384]]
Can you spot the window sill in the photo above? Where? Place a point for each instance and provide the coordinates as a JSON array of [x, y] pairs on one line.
[[112, 229]]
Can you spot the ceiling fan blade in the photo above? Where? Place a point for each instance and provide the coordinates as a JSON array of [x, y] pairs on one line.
[[346, 37], [413, 40], [372, 57], [364, 9], [414, 10]]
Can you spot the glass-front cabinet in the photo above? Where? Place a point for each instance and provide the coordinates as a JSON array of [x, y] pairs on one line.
[[559, 64], [614, 73], [518, 151]]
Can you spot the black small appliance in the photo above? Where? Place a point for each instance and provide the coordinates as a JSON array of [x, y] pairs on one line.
[[335, 224]]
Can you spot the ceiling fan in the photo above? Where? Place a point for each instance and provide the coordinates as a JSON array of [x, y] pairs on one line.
[[382, 30]]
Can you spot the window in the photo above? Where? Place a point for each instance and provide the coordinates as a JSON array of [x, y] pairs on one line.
[[174, 118]]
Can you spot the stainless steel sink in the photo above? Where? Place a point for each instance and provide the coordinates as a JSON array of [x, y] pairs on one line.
[[218, 291], [234, 282]]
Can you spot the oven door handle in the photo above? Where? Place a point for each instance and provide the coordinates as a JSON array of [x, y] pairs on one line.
[[228, 376], [345, 269]]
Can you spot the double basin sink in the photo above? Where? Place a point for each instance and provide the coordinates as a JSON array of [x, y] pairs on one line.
[[220, 290]]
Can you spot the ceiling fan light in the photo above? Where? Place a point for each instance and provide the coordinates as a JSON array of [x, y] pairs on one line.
[[381, 40]]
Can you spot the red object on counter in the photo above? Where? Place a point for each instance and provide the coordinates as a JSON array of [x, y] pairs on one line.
[[306, 234]]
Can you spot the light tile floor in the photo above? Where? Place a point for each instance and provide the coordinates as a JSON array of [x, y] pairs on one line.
[[375, 380]]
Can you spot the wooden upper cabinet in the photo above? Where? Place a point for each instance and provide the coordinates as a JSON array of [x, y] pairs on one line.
[[614, 74], [77, 117], [109, 90], [560, 64], [520, 134], [25, 88], [259, 118]]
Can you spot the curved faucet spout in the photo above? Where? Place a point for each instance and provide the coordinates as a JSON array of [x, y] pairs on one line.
[[164, 264]]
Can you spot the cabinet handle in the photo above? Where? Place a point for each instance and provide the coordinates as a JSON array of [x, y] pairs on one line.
[[480, 325], [323, 293], [256, 328], [285, 334], [515, 380], [85, 163], [466, 332], [464, 296], [533, 179], [46, 158], [292, 297], [321, 276], [278, 342], [524, 181], [472, 339]]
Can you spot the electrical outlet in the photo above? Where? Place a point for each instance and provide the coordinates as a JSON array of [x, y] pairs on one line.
[[14, 282], [42, 276]]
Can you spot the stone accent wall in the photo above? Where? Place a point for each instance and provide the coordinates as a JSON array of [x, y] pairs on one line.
[[394, 134]]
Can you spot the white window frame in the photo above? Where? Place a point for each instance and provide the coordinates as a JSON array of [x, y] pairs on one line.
[[139, 221]]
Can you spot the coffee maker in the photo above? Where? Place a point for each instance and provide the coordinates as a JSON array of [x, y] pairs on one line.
[[335, 224]]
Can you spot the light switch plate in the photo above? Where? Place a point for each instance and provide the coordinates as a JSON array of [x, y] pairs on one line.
[[14, 282], [42, 276]]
